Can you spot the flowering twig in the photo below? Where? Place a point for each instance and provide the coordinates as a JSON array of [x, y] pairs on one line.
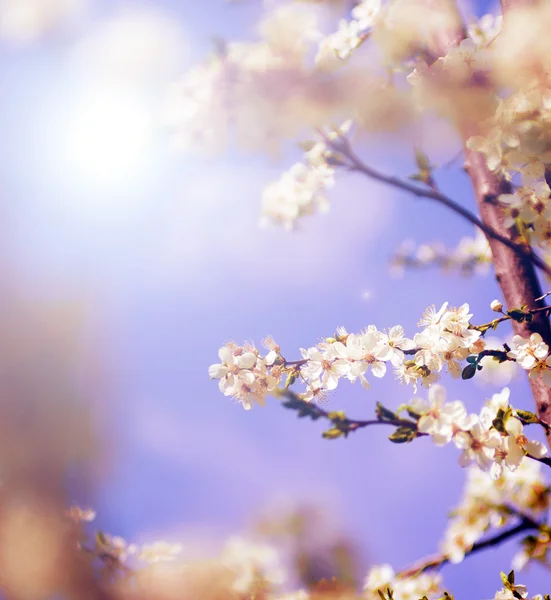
[[341, 425], [520, 315], [439, 560], [355, 164]]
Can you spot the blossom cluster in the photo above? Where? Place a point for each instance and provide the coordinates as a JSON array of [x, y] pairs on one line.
[[24, 20], [350, 33], [513, 144], [249, 88], [254, 565], [382, 577], [446, 339], [245, 375], [472, 255], [533, 355], [494, 438], [116, 548], [463, 58], [490, 503], [301, 190]]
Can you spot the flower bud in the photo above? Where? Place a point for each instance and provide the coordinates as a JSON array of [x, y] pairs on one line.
[[496, 306]]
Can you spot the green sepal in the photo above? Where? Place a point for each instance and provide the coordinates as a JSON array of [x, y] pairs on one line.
[[518, 315], [403, 435], [527, 417], [384, 414], [333, 433]]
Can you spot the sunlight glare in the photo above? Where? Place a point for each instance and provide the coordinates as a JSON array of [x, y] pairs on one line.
[[109, 135]]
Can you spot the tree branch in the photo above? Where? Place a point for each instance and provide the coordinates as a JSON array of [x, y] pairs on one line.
[[439, 560], [356, 165], [515, 273], [342, 425]]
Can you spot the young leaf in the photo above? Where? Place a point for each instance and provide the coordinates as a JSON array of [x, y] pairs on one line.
[[403, 435], [468, 372], [527, 417], [384, 414], [332, 434]]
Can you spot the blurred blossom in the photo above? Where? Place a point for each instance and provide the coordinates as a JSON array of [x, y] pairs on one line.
[[22, 21], [251, 562], [135, 46]]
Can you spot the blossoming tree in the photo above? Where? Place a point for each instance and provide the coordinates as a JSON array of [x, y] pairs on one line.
[[388, 66], [393, 66]]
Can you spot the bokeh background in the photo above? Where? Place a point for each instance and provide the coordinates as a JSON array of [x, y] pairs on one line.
[[126, 265]]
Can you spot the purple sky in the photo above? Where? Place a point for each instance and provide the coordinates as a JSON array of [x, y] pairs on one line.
[[173, 265]]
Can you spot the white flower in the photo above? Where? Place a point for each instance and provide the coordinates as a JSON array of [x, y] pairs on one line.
[[78, 515], [507, 594], [437, 416], [341, 43], [379, 577], [362, 350], [460, 537], [325, 366], [515, 207], [485, 29], [393, 345], [456, 320], [159, 552], [366, 12], [252, 561], [528, 352], [314, 392], [432, 316], [521, 444], [299, 191], [115, 546], [477, 444], [234, 368]]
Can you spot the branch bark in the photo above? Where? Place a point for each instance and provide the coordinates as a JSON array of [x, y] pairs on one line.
[[515, 274]]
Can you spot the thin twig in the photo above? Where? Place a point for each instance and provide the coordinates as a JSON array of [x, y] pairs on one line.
[[342, 422], [439, 560], [342, 147]]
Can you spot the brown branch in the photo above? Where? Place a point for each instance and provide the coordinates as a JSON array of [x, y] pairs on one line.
[[356, 165], [439, 560], [515, 273], [339, 420]]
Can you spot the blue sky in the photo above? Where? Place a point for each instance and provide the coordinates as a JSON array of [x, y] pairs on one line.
[[170, 264]]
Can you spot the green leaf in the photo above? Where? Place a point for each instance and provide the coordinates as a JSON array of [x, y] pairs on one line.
[[291, 378], [511, 578], [517, 315], [403, 435], [303, 408], [505, 580], [472, 359], [100, 538], [527, 417], [468, 372], [384, 414], [332, 434], [422, 160], [337, 416]]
